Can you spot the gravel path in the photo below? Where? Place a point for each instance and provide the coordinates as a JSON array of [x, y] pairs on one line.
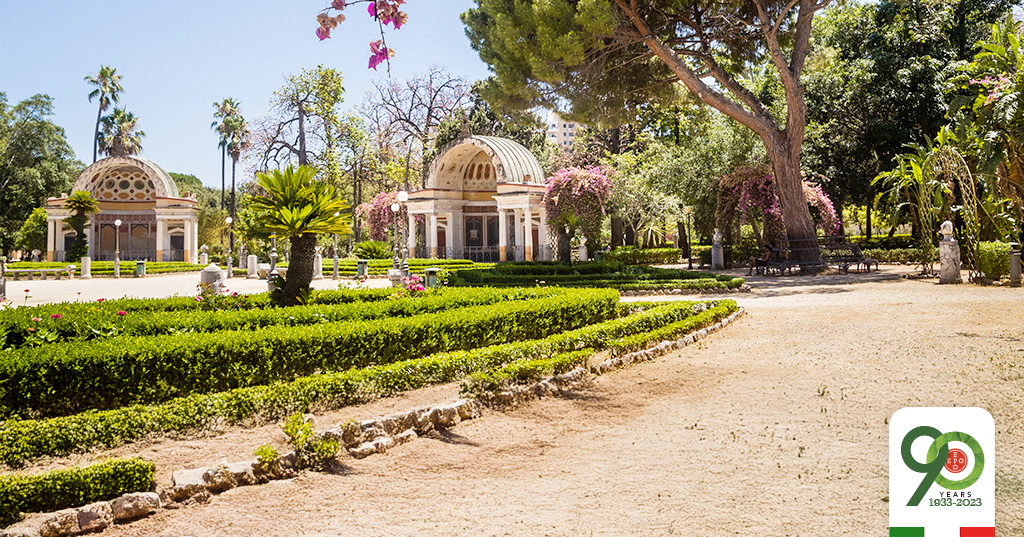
[[776, 425]]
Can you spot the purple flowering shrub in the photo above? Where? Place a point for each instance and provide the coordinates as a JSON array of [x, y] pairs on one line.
[[575, 201]]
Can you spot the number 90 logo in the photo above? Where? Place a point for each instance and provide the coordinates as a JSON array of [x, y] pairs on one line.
[[938, 452]]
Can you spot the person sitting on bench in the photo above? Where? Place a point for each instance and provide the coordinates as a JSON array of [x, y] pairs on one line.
[[766, 257]]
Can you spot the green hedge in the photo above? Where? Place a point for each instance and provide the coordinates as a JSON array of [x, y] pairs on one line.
[[72, 487], [545, 268], [23, 440], [64, 378], [103, 268], [100, 322], [645, 256], [596, 274], [486, 383], [637, 342], [994, 259]]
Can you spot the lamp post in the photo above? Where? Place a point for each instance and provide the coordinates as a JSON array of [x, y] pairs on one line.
[[689, 240], [117, 248], [231, 239], [273, 263], [336, 215], [403, 197], [395, 207]]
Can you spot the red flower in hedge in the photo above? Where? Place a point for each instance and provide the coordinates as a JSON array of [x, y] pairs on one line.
[[122, 312], [55, 316]]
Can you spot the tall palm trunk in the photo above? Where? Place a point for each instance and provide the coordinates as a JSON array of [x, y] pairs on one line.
[[234, 160], [300, 268], [223, 159], [96, 133]]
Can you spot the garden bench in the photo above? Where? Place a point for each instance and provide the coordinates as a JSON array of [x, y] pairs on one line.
[[58, 273], [832, 252], [845, 255]]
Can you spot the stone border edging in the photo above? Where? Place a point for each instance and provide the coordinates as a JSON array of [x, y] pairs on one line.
[[360, 439], [190, 486]]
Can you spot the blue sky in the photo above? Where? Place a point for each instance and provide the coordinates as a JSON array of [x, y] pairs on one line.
[[177, 58]]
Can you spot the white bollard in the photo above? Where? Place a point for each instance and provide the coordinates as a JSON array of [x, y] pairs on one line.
[[86, 269], [318, 267], [252, 266]]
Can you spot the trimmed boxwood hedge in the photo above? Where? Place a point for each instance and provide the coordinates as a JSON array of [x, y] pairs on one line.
[[64, 378], [486, 383], [23, 440], [645, 256], [73, 487], [594, 274], [102, 321]]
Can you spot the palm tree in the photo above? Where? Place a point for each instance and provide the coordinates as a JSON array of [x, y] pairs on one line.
[[224, 109], [80, 204], [238, 133], [299, 207], [108, 86], [119, 136]]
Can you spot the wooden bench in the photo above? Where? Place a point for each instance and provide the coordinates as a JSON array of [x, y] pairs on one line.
[[832, 252], [30, 274]]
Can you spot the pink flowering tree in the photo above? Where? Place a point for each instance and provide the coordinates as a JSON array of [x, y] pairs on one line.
[[378, 216], [384, 12], [575, 201], [749, 195]]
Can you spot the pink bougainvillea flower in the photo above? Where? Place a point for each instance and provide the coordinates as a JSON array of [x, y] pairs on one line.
[[323, 33], [122, 312], [400, 19], [378, 54], [339, 4], [36, 319], [31, 329], [100, 299], [199, 299], [55, 316]]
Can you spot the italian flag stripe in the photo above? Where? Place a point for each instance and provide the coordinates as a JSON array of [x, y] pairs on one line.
[[978, 532], [906, 532]]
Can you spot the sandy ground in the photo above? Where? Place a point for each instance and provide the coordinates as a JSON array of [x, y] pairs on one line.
[[776, 425]]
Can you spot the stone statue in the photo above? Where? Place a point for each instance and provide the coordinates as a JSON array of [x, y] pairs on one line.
[[949, 255], [717, 252], [947, 230]]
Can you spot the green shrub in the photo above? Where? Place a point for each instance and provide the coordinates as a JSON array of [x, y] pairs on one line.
[[637, 342], [884, 242], [312, 450], [23, 440], [64, 378], [895, 255], [72, 487], [373, 250], [994, 259]]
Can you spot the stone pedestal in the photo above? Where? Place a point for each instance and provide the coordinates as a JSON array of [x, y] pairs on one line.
[[1015, 270], [86, 268], [318, 267], [949, 261], [204, 258], [252, 265], [213, 276]]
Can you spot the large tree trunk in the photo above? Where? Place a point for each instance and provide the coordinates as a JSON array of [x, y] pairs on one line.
[[630, 234], [564, 245], [616, 232], [785, 161], [867, 223], [96, 133], [300, 268], [223, 185]]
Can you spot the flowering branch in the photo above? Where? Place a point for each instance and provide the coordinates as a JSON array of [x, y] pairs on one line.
[[385, 12]]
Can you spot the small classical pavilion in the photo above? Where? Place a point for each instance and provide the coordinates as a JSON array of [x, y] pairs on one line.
[[484, 200], [157, 223]]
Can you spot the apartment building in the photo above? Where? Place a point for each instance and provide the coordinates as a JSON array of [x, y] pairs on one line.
[[560, 131]]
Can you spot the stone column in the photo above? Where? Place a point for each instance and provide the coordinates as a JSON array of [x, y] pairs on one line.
[[432, 236], [58, 242], [449, 231], [188, 244], [502, 235], [161, 230], [528, 232], [90, 237], [517, 231], [51, 236]]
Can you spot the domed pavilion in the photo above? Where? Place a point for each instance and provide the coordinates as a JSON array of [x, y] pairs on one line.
[[157, 223], [484, 200]]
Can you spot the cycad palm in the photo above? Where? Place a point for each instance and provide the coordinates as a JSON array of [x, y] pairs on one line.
[[120, 136], [81, 204], [299, 207], [108, 86], [223, 110]]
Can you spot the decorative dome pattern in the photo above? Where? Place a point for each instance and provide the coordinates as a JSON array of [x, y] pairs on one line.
[[126, 179], [480, 162]]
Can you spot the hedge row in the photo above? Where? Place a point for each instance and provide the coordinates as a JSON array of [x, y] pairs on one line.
[[73, 487], [64, 378], [98, 322], [485, 383], [645, 256], [630, 275], [24, 440], [896, 255], [545, 268], [107, 267], [637, 342]]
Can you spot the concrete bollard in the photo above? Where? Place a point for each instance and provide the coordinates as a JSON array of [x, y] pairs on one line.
[[318, 267], [252, 266], [86, 269], [213, 277]]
